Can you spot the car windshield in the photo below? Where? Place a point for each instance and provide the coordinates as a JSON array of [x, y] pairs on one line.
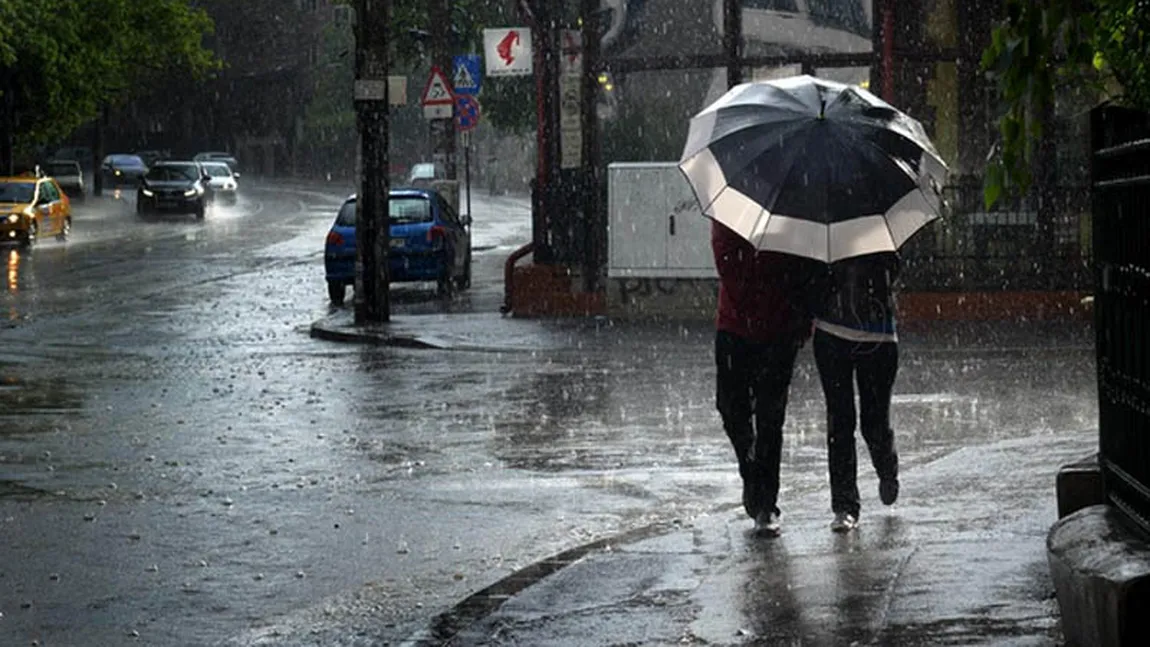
[[182, 173], [402, 210], [423, 171], [18, 192], [125, 160], [408, 210], [62, 170], [218, 170]]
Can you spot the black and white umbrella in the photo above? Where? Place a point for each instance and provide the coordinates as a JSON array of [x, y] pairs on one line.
[[813, 168]]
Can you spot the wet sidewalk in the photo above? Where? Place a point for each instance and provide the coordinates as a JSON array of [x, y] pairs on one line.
[[960, 559]]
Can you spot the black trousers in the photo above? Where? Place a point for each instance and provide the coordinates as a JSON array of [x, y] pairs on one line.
[[873, 365], [752, 380]]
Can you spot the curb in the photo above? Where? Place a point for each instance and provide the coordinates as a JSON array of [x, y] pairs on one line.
[[319, 331], [443, 628]]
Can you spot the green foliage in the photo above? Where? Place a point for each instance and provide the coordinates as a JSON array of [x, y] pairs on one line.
[[63, 60], [1039, 49]]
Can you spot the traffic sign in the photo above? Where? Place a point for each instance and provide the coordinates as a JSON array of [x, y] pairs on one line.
[[466, 112], [467, 75], [507, 51], [437, 99]]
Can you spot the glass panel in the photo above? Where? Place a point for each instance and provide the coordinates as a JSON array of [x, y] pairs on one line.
[[651, 111], [774, 27]]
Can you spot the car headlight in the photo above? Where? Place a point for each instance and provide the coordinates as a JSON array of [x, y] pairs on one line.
[[13, 218], [189, 193], [147, 192], [118, 172], [230, 186]]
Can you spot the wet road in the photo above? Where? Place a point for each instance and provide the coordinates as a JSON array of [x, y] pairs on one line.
[[180, 464]]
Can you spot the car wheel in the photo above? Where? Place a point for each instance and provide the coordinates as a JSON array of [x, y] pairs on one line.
[[336, 291], [200, 211], [141, 206], [65, 231], [464, 282]]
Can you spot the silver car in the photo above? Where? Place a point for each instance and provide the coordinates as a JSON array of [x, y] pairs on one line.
[[68, 175], [222, 180]]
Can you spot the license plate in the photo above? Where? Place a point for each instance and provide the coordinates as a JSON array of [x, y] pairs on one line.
[[397, 242]]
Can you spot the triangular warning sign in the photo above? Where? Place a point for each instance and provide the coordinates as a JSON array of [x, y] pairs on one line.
[[463, 78], [437, 92]]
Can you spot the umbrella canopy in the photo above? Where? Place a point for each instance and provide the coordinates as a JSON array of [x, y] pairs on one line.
[[813, 168]]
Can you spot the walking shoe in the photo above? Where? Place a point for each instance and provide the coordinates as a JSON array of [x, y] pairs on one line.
[[844, 522], [767, 524], [888, 490], [752, 502]]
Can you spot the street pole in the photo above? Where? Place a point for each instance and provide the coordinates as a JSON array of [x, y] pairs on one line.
[[442, 130], [733, 41], [372, 224], [467, 171]]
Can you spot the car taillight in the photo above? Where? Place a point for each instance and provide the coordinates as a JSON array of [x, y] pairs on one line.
[[436, 232], [333, 238]]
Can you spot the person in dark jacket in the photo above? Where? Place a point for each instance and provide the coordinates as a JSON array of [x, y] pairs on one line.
[[759, 330], [855, 340]]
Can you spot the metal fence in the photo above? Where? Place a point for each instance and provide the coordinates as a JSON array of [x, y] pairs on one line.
[[1039, 242], [1120, 176]]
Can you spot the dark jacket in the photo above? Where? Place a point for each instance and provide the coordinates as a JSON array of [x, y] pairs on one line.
[[857, 293], [758, 291]]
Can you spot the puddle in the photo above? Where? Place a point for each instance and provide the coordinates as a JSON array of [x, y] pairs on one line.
[[29, 398]]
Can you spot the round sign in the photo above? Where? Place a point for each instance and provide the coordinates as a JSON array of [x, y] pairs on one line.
[[466, 112]]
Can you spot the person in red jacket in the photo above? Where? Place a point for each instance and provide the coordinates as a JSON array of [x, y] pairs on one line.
[[760, 327]]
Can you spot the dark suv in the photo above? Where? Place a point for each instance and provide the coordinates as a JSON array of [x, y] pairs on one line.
[[176, 187]]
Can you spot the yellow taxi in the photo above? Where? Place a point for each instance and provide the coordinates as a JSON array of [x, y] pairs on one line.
[[32, 207]]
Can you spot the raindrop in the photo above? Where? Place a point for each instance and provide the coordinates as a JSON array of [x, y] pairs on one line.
[[228, 501], [135, 536], [149, 458], [101, 502], [47, 454], [259, 576], [153, 569], [299, 574], [113, 486], [273, 531], [203, 563], [134, 634], [55, 577], [403, 549], [89, 516]]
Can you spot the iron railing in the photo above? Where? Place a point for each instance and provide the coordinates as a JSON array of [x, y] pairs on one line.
[[1120, 177], [1039, 242]]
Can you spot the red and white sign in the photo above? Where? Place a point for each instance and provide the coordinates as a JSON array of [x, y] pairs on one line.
[[571, 46], [507, 51], [438, 101]]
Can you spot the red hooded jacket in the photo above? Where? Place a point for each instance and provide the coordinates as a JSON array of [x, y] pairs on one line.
[[757, 290]]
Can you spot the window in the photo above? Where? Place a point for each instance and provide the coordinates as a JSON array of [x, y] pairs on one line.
[[48, 193], [341, 15], [404, 211]]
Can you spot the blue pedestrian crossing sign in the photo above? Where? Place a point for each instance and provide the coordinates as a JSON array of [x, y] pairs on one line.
[[466, 75]]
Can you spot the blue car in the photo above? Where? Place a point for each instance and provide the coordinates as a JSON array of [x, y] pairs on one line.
[[429, 242]]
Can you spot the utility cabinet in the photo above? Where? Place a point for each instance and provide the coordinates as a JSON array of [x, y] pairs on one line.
[[656, 229]]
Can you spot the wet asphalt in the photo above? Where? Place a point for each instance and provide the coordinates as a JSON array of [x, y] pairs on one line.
[[182, 464]]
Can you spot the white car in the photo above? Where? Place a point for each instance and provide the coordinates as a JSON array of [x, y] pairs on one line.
[[222, 180]]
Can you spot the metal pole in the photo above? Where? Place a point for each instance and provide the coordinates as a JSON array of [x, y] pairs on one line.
[[372, 224], [442, 130], [595, 215], [467, 172], [733, 41]]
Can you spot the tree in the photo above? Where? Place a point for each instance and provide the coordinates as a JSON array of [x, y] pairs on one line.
[[63, 61], [1041, 48]]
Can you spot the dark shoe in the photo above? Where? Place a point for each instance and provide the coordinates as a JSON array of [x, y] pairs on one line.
[[767, 524], [888, 490], [752, 502], [844, 522]]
